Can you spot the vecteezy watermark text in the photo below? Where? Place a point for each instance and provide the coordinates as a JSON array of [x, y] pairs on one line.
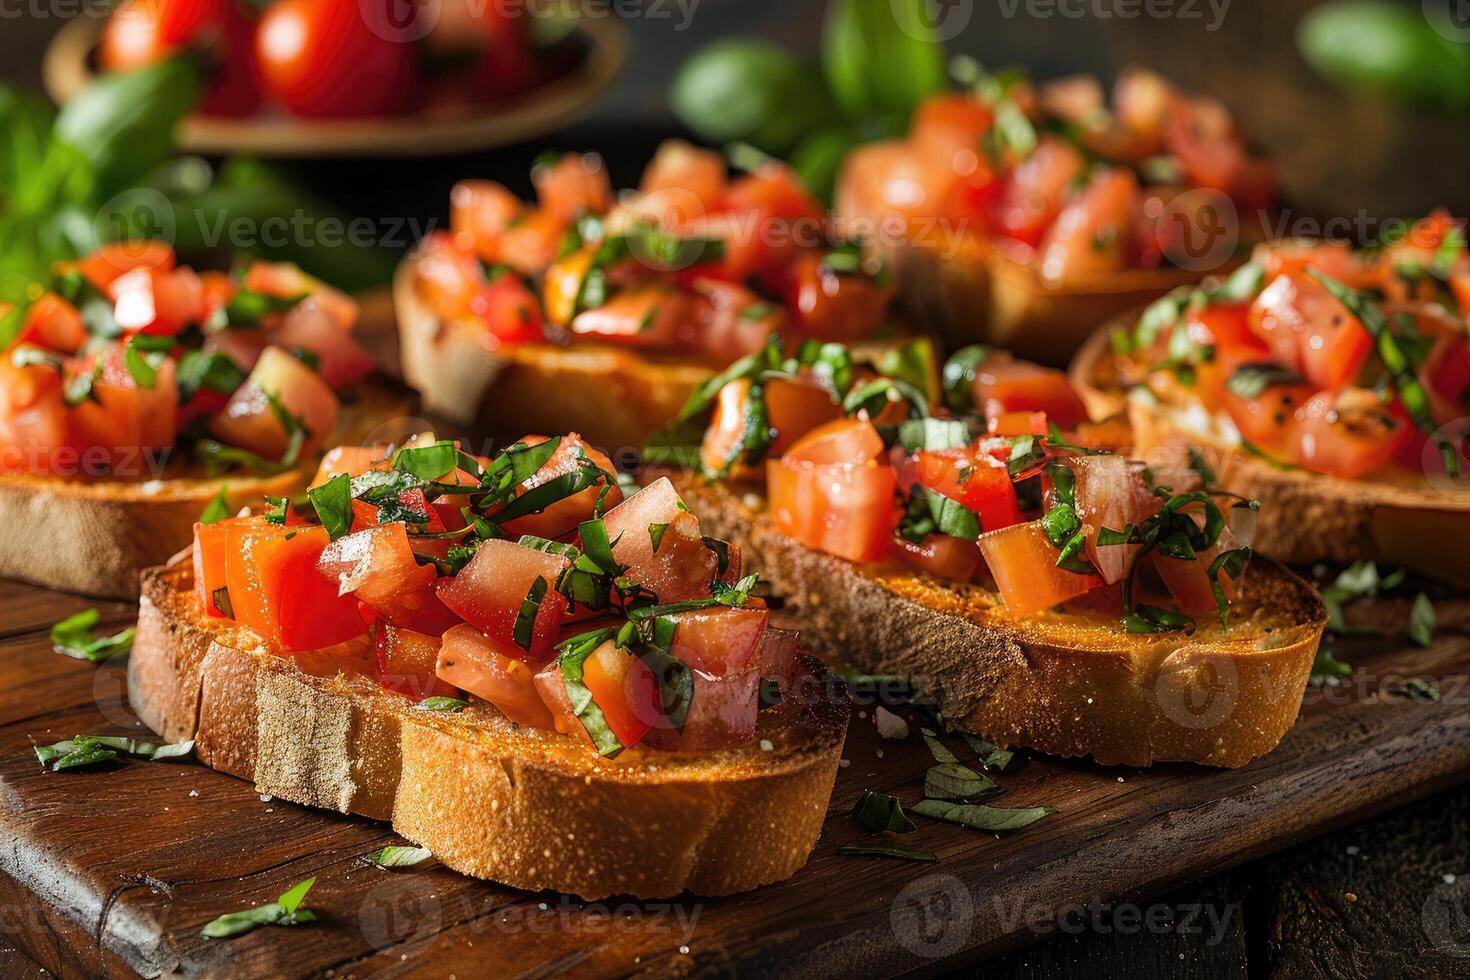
[[1210, 12]]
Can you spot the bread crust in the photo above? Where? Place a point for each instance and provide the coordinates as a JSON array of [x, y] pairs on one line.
[[614, 397], [95, 536], [529, 808], [1304, 516], [1064, 684]]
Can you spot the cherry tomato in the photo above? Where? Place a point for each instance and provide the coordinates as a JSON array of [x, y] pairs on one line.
[[563, 516], [324, 58], [144, 32]]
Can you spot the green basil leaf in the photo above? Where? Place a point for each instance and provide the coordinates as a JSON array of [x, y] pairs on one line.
[[284, 911], [1250, 380], [1422, 621], [881, 58], [932, 434], [937, 748], [1231, 563], [574, 654], [959, 377], [398, 856], [428, 462], [852, 850], [73, 637], [878, 812], [333, 504], [988, 755], [525, 623], [952, 781], [217, 509], [439, 702], [981, 817], [1154, 619]]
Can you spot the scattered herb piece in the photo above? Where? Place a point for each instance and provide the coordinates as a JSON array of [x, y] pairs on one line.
[[980, 817], [73, 637], [850, 850], [952, 781], [398, 856], [439, 702], [1421, 621], [879, 812], [284, 911]]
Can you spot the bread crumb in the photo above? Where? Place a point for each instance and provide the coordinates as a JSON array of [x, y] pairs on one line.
[[843, 763], [1448, 879], [889, 724], [266, 797], [1354, 850], [767, 745], [193, 792], [1351, 897], [684, 950]]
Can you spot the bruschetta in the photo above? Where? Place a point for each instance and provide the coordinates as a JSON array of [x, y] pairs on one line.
[[1023, 215], [629, 302], [134, 391], [540, 681], [1046, 593], [1329, 383]]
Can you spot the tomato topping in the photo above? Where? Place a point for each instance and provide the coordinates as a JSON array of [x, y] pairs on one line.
[[1348, 433], [624, 689], [55, 324], [640, 316], [718, 641], [32, 418], [479, 213], [1033, 196], [348, 461], [576, 184], [276, 590], [157, 301], [406, 663], [1309, 330], [111, 261], [313, 327], [656, 536], [211, 544], [377, 565], [1090, 236], [324, 58], [494, 593], [1003, 384], [1109, 495], [948, 129], [122, 415], [1024, 565], [1189, 581], [831, 493], [251, 422], [969, 477], [830, 305], [723, 712], [470, 660], [940, 555], [694, 175], [1267, 421], [563, 516], [509, 310]]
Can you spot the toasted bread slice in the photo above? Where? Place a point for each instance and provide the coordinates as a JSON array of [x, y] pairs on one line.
[[1069, 684], [613, 396], [526, 807], [96, 535], [1305, 517]]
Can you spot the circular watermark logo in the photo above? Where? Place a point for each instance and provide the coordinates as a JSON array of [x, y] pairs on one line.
[[397, 431], [1445, 917], [134, 219], [1452, 437], [1198, 690], [933, 916], [400, 21], [397, 911], [1197, 229], [1450, 19], [939, 20]]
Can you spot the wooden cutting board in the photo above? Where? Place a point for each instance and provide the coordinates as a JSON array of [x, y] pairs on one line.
[[115, 869]]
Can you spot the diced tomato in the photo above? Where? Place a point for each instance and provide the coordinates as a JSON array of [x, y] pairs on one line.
[[377, 565], [479, 213], [551, 686], [285, 280], [1110, 495], [529, 246], [941, 555], [795, 407], [347, 460], [33, 418], [834, 306], [562, 284], [1090, 236], [640, 316], [470, 660], [276, 590], [448, 276], [407, 661], [340, 360], [53, 323], [210, 548], [160, 302], [1201, 136], [624, 689], [1141, 101], [693, 172], [975, 479], [1033, 195], [682, 566], [122, 416], [723, 712], [729, 321], [889, 181], [831, 493], [509, 310], [1347, 434], [1024, 565], [574, 185], [1446, 379], [768, 211], [1013, 424], [718, 641], [1310, 331], [948, 129], [1339, 260], [111, 261], [1003, 384], [492, 592], [563, 516], [1267, 421], [251, 422], [1075, 99], [1189, 581]]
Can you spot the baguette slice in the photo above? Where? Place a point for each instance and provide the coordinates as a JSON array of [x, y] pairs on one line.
[[1069, 684], [613, 396], [522, 806], [1304, 516], [95, 536]]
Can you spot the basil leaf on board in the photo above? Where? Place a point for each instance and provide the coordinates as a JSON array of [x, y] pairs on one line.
[[284, 911], [1417, 689], [902, 854], [988, 755], [879, 812], [1326, 667], [85, 750], [1422, 621], [439, 702], [938, 749], [73, 637], [333, 504], [980, 817], [398, 856], [952, 781]]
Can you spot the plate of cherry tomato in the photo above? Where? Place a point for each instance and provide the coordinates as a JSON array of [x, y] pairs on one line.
[[355, 77]]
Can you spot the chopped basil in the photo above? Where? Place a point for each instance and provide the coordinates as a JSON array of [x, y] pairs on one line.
[[219, 458], [937, 748], [217, 509], [932, 434], [1201, 466], [81, 387], [759, 311], [959, 377], [333, 504], [198, 370], [428, 462], [280, 507], [656, 534], [1250, 380], [930, 512], [852, 850], [981, 817], [721, 551], [874, 396], [1358, 580], [1422, 621], [525, 623], [878, 812], [1026, 452], [574, 654], [247, 308], [1231, 563], [676, 684], [952, 781], [988, 755], [1416, 689], [142, 360], [829, 362], [439, 702], [1325, 666], [284, 911], [73, 637], [398, 856], [913, 362], [86, 750], [1144, 618]]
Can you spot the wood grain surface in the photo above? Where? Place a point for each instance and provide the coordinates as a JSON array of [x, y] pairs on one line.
[[114, 870]]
